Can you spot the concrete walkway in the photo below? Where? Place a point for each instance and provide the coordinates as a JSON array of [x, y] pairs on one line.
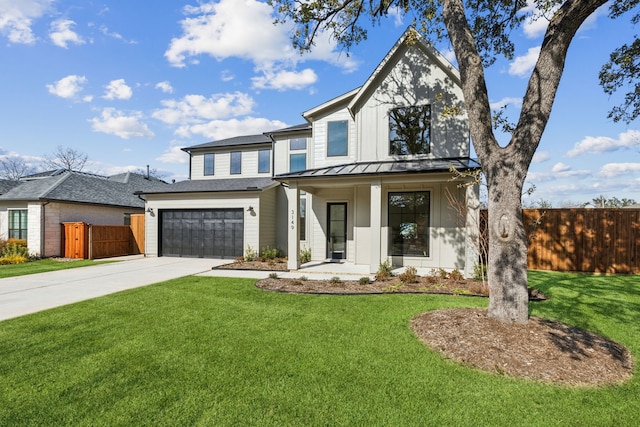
[[36, 292]]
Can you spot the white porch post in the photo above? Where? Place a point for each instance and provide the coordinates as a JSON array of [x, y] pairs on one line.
[[376, 226], [472, 231], [293, 234]]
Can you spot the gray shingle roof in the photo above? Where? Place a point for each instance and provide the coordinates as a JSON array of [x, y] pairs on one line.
[[6, 185], [384, 167], [216, 185], [232, 142], [78, 187]]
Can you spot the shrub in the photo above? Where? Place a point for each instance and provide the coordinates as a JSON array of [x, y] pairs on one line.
[[364, 280], [335, 280], [250, 254], [14, 251], [304, 278], [384, 270], [410, 275], [305, 255], [269, 253], [273, 275], [479, 272], [456, 275], [13, 259], [439, 273]]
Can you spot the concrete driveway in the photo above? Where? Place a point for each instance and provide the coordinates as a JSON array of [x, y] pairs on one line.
[[36, 292]]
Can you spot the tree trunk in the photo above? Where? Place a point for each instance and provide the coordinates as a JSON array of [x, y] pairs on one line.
[[507, 263]]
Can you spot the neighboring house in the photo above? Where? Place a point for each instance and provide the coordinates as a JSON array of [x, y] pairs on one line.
[[33, 208], [364, 180]]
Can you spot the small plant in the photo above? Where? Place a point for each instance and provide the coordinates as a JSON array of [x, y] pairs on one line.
[[13, 259], [459, 291], [273, 275], [479, 272], [456, 275], [335, 280], [410, 275], [393, 288], [239, 260], [364, 280], [250, 254], [439, 273], [269, 253], [385, 270], [14, 251], [305, 255], [304, 278]]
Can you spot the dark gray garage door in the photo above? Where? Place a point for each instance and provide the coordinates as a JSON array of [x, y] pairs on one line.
[[204, 233]]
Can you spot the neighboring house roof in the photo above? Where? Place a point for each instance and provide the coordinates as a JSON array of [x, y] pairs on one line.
[[6, 185], [216, 186], [384, 167], [78, 187], [229, 142]]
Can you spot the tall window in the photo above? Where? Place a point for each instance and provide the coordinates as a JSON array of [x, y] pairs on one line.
[[337, 138], [264, 161], [209, 159], [297, 154], [303, 218], [409, 223], [236, 162], [410, 130], [18, 224]]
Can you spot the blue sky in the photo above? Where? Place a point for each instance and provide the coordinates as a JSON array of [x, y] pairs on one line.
[[130, 86]]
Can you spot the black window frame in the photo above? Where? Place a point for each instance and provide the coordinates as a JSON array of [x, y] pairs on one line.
[[417, 133], [23, 220], [409, 229]]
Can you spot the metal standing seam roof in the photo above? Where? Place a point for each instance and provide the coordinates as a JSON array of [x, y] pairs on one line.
[[384, 167], [216, 186]]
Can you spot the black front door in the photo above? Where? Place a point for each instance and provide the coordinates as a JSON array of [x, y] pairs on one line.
[[337, 231]]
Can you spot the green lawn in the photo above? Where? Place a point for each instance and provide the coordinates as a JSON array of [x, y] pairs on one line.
[[219, 352], [42, 266]]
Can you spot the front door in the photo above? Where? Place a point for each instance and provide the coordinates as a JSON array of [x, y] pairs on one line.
[[337, 231]]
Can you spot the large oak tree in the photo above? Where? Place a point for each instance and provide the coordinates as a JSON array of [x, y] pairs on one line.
[[479, 32]]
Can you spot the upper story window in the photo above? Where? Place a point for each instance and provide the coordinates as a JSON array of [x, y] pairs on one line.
[[208, 164], [410, 130], [337, 139], [18, 224], [236, 163], [297, 154], [264, 161]]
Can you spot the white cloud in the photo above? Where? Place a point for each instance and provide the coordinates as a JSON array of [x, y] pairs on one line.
[[114, 122], [61, 33], [558, 172], [173, 154], [282, 80], [560, 167], [220, 30], [165, 86], [118, 89], [604, 144], [505, 102], [197, 108], [523, 65], [221, 129], [541, 156], [16, 18], [67, 87], [226, 75], [615, 169], [398, 16]]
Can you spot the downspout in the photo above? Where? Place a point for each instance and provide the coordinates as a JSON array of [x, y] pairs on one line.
[[43, 223]]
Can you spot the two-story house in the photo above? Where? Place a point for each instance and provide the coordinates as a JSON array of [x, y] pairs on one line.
[[367, 178]]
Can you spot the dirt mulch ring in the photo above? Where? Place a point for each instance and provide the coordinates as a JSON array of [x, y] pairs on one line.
[[542, 350], [278, 264]]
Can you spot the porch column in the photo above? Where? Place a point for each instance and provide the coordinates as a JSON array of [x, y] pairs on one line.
[[376, 226], [293, 234], [472, 230]]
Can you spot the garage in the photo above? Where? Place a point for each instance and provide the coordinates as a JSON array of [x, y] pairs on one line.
[[202, 233]]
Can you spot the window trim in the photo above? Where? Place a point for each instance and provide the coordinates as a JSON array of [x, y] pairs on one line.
[[344, 151]]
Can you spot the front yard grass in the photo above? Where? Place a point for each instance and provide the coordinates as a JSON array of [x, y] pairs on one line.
[[42, 266], [218, 351]]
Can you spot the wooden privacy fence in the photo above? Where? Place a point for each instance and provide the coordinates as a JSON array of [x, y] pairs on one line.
[[88, 241], [587, 240]]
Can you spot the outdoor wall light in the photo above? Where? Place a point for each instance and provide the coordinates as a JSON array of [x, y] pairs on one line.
[[250, 209], [150, 210]]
